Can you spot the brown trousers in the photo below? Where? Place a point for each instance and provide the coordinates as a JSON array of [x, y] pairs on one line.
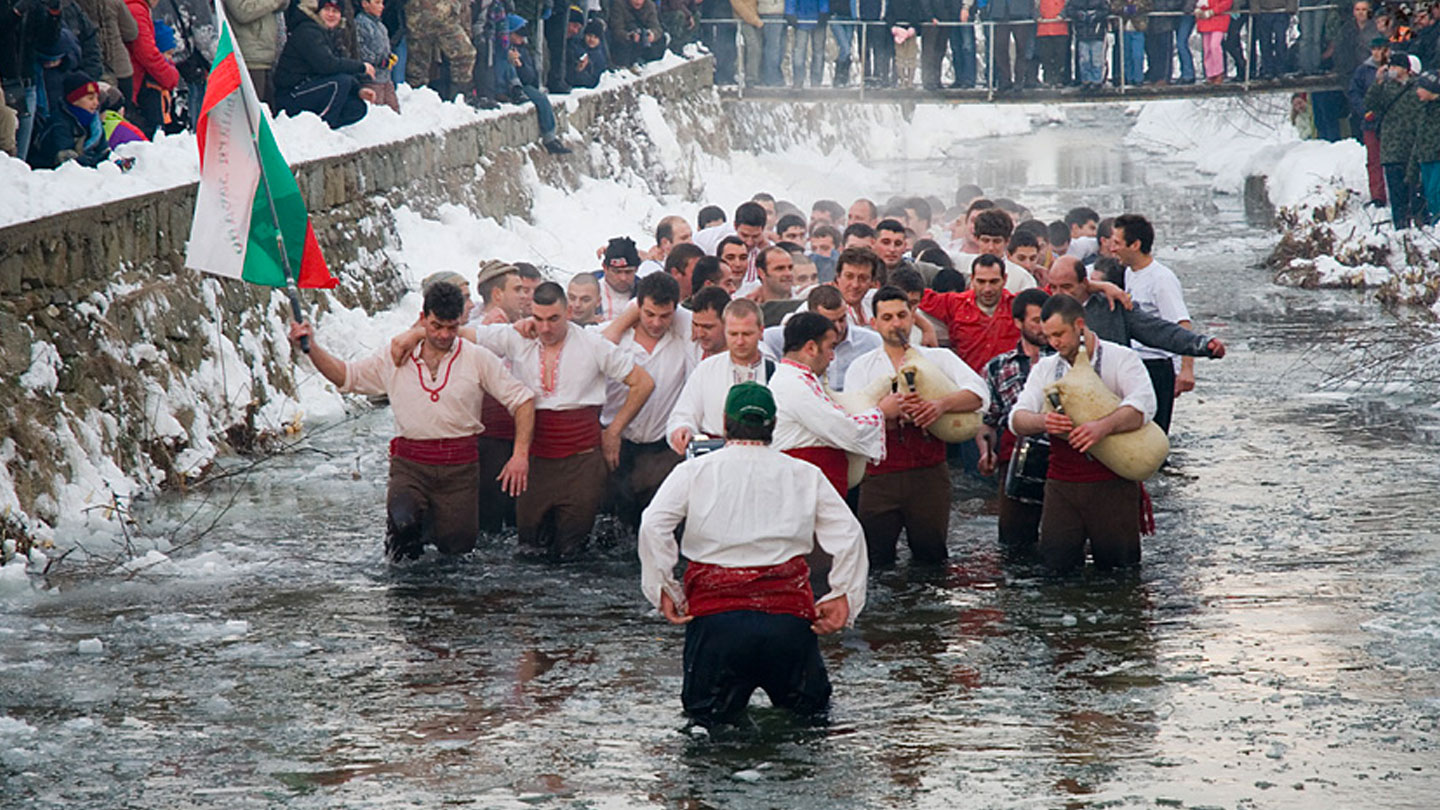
[[643, 468], [497, 510], [1107, 513], [431, 503], [1019, 522], [557, 510], [917, 501], [260, 77]]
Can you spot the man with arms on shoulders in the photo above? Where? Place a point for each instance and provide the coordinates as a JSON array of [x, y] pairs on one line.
[[851, 341], [435, 398], [978, 319]]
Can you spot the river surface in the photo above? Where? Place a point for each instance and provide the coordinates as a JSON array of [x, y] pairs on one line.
[[1280, 646]]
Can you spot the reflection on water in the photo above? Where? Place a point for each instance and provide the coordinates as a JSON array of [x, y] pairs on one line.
[[1279, 648]]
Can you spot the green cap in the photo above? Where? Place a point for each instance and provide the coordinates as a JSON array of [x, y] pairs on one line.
[[750, 402]]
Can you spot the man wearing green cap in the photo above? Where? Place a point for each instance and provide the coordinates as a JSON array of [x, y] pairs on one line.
[[751, 619]]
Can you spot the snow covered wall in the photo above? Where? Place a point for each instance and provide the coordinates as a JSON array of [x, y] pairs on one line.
[[122, 371]]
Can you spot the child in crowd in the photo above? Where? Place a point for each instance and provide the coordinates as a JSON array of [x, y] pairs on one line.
[[587, 58], [372, 41], [112, 119], [72, 130]]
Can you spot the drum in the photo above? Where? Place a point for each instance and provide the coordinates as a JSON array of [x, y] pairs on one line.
[[1025, 479]]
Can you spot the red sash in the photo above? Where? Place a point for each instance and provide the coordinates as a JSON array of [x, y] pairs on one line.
[[1068, 465], [783, 588], [437, 452], [909, 448], [1007, 445], [561, 434], [831, 461], [498, 422]]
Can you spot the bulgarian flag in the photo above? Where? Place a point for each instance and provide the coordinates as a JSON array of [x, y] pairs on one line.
[[250, 222]]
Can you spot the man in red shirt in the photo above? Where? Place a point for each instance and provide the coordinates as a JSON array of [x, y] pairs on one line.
[[978, 319]]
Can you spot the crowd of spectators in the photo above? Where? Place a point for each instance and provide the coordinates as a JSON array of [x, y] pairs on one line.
[[83, 76]]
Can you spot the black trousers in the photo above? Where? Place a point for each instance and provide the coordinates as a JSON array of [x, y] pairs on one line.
[[336, 99], [1162, 377], [730, 655]]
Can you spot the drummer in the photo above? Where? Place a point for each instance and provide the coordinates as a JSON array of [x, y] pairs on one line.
[[1006, 374], [1084, 500]]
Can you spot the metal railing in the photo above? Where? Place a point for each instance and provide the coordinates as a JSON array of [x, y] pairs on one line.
[[1113, 37]]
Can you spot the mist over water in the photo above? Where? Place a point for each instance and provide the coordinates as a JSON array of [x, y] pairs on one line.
[[1280, 646]]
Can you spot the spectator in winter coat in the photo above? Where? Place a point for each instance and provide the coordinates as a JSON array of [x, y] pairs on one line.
[[87, 37], [1052, 42], [772, 48], [808, 20], [1160, 39], [525, 85], [1087, 22], [1012, 18], [73, 130], [1360, 84], [1425, 155], [1129, 54], [112, 119], [155, 75], [635, 33], [1394, 107], [372, 45], [903, 19], [751, 37], [115, 27], [438, 28], [255, 27], [25, 26], [1272, 22], [311, 76], [680, 21], [586, 58], [1212, 20]]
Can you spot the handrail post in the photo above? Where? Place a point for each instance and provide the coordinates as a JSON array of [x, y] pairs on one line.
[[990, 60], [1249, 47], [862, 56], [1120, 38]]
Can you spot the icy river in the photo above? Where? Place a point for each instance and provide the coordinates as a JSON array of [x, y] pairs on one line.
[[1279, 648]]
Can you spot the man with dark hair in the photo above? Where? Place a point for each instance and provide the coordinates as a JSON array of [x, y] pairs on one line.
[[617, 278], [962, 229], [1024, 250], [909, 489], [1005, 375], [851, 341], [680, 265], [1084, 224], [568, 367], [777, 278], [766, 201], [530, 278], [666, 355], [826, 212], [856, 271], [699, 411], [810, 424], [1156, 291], [1084, 500], [978, 319], [751, 223], [824, 245], [751, 619], [1058, 234], [435, 398], [735, 258], [583, 295], [991, 228], [858, 235], [709, 217], [707, 328], [862, 212], [918, 216], [791, 228], [507, 298], [708, 272]]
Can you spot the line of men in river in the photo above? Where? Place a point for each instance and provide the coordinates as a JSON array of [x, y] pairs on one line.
[[527, 402], [540, 409]]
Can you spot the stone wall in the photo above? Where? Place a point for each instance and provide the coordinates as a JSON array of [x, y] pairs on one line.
[[100, 320]]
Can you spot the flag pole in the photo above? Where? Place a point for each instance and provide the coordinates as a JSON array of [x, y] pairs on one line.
[[292, 290]]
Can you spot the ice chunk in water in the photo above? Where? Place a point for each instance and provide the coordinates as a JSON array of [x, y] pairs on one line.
[[91, 646]]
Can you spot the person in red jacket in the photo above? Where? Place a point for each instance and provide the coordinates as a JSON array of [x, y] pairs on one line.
[[155, 75], [1052, 42], [1212, 20], [978, 319]]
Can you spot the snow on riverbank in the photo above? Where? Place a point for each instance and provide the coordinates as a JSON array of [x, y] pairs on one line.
[[173, 161]]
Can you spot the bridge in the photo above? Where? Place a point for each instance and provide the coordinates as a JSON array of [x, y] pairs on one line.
[[1054, 95]]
